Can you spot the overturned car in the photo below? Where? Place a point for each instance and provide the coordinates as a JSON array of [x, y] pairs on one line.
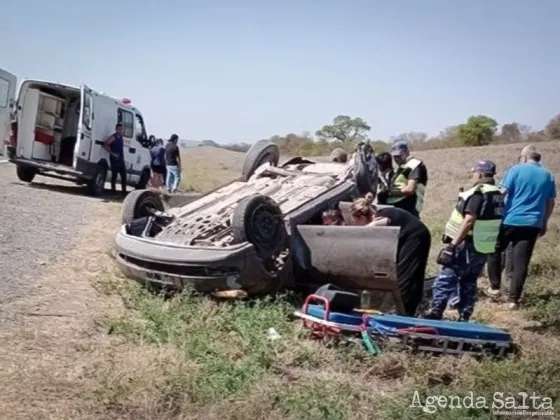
[[261, 232]]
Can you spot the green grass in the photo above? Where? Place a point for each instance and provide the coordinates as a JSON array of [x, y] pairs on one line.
[[192, 357], [224, 366]]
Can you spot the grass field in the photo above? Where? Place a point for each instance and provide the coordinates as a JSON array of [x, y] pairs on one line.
[[192, 358]]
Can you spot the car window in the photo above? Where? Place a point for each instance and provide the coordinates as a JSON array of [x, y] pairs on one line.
[[127, 120], [140, 130], [86, 118]]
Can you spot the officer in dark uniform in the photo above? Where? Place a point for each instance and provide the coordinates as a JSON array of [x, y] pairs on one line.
[[471, 234]]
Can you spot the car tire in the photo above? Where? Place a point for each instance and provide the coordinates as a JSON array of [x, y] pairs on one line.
[[144, 179], [139, 203], [25, 173], [261, 152], [259, 220], [365, 181], [96, 185]]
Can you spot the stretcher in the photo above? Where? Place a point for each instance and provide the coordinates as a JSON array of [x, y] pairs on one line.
[[433, 336], [446, 337], [324, 323]]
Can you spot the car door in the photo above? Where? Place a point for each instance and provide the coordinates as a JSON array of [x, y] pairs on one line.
[[8, 83], [352, 257], [143, 158], [126, 118], [84, 139]]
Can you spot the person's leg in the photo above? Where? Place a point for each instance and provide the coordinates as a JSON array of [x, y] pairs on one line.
[[467, 284], [509, 262], [411, 269], [494, 264], [114, 174], [445, 284], [523, 245], [177, 179], [169, 180], [122, 170]]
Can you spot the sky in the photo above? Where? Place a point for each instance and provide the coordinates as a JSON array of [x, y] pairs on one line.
[[241, 70]]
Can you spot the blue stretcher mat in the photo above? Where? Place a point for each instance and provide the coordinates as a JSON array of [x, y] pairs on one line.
[[466, 330], [318, 311]]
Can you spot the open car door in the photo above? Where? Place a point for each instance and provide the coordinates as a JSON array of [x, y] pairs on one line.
[[85, 126], [354, 258], [8, 83]]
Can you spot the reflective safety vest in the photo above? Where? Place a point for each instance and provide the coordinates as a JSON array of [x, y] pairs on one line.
[[402, 179], [485, 231]]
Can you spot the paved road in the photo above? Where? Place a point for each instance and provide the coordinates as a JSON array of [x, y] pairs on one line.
[[38, 221]]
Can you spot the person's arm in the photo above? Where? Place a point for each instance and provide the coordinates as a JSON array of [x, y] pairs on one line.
[[379, 221], [178, 157], [472, 209], [549, 205], [419, 174], [506, 184], [108, 142]]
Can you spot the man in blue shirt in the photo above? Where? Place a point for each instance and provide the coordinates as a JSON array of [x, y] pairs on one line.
[[115, 146], [530, 195]]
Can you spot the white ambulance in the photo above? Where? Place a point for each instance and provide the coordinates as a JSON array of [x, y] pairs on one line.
[[58, 130]]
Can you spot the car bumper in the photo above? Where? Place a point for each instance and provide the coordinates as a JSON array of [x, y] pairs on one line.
[[206, 269]]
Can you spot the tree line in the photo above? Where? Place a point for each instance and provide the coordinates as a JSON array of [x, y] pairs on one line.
[[345, 131]]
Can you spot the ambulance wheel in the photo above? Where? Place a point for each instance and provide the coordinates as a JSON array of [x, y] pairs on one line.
[[96, 185], [25, 173]]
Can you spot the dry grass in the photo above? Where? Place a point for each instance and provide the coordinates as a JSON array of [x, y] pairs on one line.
[[206, 168], [192, 358]]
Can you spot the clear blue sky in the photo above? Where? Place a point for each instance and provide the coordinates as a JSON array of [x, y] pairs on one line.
[[243, 70]]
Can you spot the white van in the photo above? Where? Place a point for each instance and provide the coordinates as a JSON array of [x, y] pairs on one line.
[[58, 131]]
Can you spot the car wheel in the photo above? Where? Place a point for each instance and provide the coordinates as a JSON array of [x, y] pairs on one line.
[[144, 179], [140, 203], [96, 185], [25, 173], [258, 219], [261, 152]]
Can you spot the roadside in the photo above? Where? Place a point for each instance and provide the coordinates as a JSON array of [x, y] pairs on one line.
[[55, 240]]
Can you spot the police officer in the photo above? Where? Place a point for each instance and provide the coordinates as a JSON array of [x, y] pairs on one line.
[[471, 234], [409, 181]]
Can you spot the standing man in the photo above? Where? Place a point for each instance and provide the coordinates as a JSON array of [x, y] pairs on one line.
[[409, 182], [173, 164], [115, 146], [471, 234], [530, 191]]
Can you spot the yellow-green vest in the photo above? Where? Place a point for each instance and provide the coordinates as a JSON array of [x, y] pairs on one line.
[[401, 180], [487, 225]]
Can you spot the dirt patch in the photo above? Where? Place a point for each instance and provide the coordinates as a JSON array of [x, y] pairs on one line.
[[54, 338]]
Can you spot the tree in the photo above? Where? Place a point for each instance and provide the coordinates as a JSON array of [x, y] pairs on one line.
[[477, 131], [511, 132], [346, 129], [552, 129]]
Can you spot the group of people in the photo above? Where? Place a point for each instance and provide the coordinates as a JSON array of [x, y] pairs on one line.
[[165, 164], [487, 220], [165, 161]]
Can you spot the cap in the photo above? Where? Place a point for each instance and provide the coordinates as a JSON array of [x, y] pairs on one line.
[[399, 148], [485, 166]]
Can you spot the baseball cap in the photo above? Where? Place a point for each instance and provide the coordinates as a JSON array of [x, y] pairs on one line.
[[399, 148], [484, 166]]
